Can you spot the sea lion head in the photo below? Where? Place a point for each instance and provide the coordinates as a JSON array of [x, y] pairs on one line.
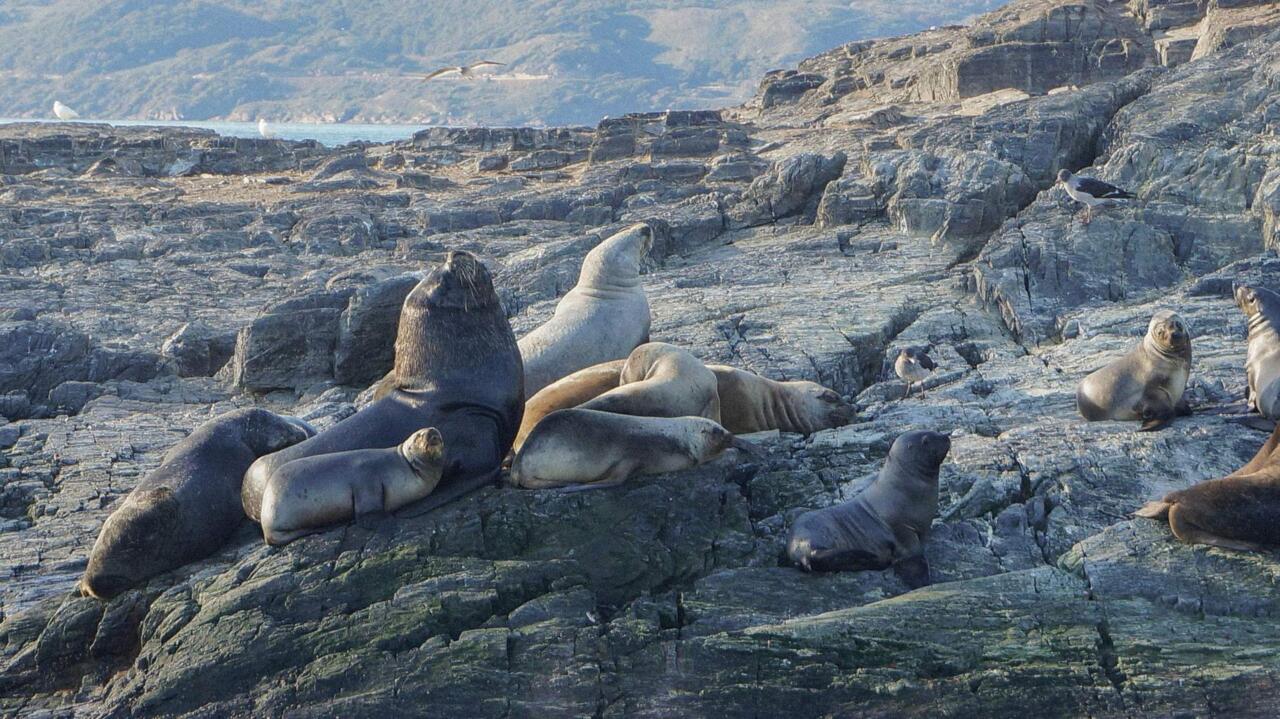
[[126, 551], [825, 404], [424, 450], [460, 282], [921, 450], [617, 260], [1257, 302], [1169, 332]]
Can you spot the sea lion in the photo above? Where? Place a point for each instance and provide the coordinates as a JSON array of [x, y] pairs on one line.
[[1147, 383], [751, 403], [189, 506], [568, 392], [603, 318], [661, 380], [886, 524], [1262, 361], [603, 449], [457, 369], [1238, 511], [309, 494]]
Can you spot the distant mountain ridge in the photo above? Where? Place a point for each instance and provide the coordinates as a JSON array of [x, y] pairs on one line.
[[568, 61]]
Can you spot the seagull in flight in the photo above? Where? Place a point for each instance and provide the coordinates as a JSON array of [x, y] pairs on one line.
[[462, 70], [1091, 192], [62, 112]]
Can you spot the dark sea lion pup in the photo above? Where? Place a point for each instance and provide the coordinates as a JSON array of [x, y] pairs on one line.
[[1147, 383], [1262, 361], [886, 524], [1240, 511], [457, 369], [189, 506]]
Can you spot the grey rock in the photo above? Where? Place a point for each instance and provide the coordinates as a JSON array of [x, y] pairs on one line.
[[198, 350], [787, 189]]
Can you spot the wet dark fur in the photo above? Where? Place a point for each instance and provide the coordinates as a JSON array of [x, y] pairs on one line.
[[189, 506], [457, 369]]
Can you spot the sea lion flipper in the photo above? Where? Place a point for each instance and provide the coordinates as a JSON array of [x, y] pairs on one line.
[[1183, 408], [606, 484], [1154, 424], [1154, 510], [447, 492], [913, 571]]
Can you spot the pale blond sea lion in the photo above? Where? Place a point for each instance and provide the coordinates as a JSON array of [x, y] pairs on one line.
[[566, 393], [662, 380], [751, 403]]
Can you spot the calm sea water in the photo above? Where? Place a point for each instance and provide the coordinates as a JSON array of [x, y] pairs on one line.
[[331, 134]]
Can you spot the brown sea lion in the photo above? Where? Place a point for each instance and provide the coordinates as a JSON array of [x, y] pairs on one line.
[[1145, 384], [661, 380], [457, 369]]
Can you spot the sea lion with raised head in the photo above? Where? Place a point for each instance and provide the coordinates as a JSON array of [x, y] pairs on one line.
[[603, 318], [661, 380], [309, 494], [457, 369], [566, 393], [1238, 511], [189, 506], [1145, 384], [886, 524], [1262, 360], [751, 403], [603, 449]]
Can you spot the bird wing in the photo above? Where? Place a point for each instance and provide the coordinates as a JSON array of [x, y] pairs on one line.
[[1099, 189], [926, 361], [438, 73], [482, 63]]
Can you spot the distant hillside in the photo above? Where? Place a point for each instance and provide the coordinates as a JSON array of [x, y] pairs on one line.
[[568, 61]]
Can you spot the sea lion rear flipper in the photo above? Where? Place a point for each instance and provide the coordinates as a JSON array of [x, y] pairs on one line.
[[1154, 510], [607, 484], [1253, 421], [447, 492], [913, 571]]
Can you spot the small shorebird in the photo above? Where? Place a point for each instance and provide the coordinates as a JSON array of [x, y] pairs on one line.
[[62, 112], [462, 70], [913, 367], [1091, 192]]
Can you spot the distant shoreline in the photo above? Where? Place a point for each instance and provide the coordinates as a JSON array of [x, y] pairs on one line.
[[327, 134]]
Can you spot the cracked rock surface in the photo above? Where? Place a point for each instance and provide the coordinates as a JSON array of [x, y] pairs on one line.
[[151, 279]]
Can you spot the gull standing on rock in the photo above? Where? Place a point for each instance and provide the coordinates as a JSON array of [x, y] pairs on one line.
[[264, 129], [1091, 192], [62, 112], [462, 70], [913, 367]]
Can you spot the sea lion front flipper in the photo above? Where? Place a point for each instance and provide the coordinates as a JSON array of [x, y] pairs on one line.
[[1183, 408], [913, 571], [1155, 424]]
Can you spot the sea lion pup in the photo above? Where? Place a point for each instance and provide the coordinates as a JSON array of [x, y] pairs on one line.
[[661, 380], [751, 403], [1147, 383], [603, 449], [1238, 511], [567, 392], [1262, 361], [886, 524], [309, 494], [189, 506], [603, 318], [457, 369]]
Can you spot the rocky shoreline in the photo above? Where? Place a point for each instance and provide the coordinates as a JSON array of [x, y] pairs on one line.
[[887, 194]]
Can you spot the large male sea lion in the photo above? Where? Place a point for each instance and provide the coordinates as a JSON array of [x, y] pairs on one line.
[[566, 393], [1147, 383], [1262, 360], [309, 494], [751, 403], [190, 505], [1238, 511], [661, 380], [603, 449], [457, 369], [886, 524], [603, 318]]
